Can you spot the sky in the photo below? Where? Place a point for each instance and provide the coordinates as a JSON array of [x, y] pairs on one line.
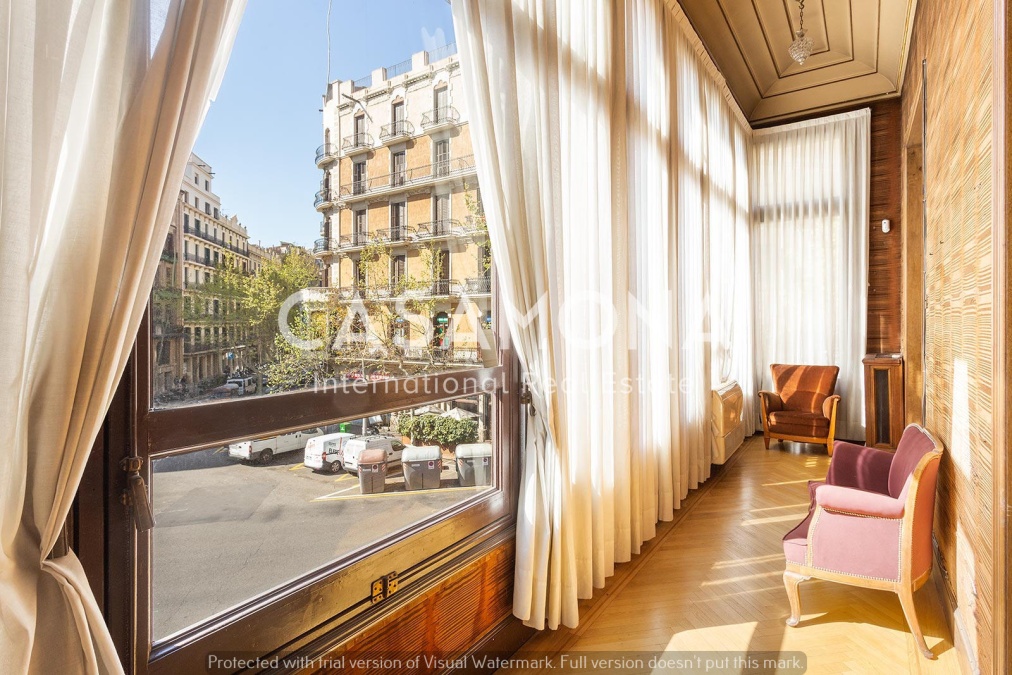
[[262, 130]]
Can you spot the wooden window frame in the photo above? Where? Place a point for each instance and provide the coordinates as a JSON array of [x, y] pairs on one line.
[[321, 603]]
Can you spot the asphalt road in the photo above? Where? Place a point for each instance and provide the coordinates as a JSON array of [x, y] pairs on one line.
[[226, 532]]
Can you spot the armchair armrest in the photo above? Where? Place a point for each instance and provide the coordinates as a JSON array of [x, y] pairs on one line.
[[858, 502], [772, 402], [829, 406]]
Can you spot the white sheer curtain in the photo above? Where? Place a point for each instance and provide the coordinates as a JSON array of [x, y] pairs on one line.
[[101, 105], [810, 184], [609, 282]]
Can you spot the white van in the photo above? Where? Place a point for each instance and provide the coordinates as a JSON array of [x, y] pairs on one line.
[[247, 385], [263, 450], [353, 448], [326, 452]]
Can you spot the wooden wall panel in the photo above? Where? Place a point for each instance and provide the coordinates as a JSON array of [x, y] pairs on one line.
[[955, 39], [447, 619], [885, 249]]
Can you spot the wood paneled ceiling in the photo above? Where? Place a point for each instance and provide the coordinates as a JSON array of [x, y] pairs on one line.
[[859, 51]]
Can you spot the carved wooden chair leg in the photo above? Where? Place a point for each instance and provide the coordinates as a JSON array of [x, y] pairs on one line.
[[910, 612], [791, 582]]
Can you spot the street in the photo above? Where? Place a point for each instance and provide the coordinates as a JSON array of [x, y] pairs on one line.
[[226, 532]]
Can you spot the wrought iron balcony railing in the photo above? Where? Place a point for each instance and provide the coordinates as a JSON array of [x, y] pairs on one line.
[[215, 240], [356, 142], [439, 116], [436, 228], [478, 285], [324, 197], [395, 130], [200, 260], [446, 168], [326, 153], [327, 245], [392, 234]]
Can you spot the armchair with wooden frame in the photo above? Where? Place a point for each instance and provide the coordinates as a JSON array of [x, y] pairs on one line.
[[803, 407], [869, 523]]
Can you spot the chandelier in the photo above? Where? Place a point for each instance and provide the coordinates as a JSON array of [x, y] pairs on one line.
[[801, 48]]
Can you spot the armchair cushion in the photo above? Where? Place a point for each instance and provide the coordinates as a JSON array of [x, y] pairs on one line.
[[798, 423], [804, 387], [859, 467], [858, 502]]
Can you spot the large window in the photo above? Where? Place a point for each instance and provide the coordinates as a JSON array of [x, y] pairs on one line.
[[298, 439]]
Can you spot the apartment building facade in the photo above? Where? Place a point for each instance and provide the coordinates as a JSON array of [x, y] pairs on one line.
[[401, 206], [197, 335]]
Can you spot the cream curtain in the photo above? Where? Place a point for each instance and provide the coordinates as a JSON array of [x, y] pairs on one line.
[[102, 101], [612, 213], [810, 184]]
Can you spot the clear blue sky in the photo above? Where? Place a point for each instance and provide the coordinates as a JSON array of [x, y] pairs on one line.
[[261, 133]]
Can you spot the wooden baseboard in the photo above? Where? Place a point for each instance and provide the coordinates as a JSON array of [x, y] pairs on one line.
[[957, 629], [498, 644]]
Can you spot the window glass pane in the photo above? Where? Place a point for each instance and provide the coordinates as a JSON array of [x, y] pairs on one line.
[[235, 521], [385, 273]]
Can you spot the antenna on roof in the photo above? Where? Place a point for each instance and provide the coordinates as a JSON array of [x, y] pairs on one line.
[[330, 7]]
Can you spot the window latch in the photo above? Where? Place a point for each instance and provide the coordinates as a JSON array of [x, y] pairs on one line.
[[136, 494], [527, 399]]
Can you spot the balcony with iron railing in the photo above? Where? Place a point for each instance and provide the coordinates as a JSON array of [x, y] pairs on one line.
[[478, 285], [395, 131], [356, 143], [326, 154], [200, 260], [166, 329], [325, 246], [434, 229], [324, 199], [356, 239], [392, 235], [392, 291], [215, 240], [440, 118], [191, 346], [396, 181]]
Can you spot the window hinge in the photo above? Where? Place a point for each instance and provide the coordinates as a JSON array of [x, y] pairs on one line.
[[384, 587], [136, 494]]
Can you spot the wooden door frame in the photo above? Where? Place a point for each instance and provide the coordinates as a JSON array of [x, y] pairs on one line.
[[1002, 314]]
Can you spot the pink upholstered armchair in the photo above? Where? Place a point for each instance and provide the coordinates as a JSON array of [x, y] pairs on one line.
[[869, 523]]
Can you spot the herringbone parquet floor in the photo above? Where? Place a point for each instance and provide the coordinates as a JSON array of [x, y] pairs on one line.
[[712, 581]]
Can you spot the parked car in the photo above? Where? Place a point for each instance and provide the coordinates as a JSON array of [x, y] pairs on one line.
[[247, 385], [354, 447], [264, 450], [326, 452]]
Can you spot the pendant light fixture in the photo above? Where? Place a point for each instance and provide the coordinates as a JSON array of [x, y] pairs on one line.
[[801, 48]]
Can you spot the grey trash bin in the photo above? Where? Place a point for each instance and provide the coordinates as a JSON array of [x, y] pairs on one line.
[[474, 464], [422, 466], [372, 470]]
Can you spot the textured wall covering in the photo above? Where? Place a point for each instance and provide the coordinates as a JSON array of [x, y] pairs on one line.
[[955, 36]]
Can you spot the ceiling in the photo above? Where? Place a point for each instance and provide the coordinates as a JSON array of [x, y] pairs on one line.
[[859, 51]]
